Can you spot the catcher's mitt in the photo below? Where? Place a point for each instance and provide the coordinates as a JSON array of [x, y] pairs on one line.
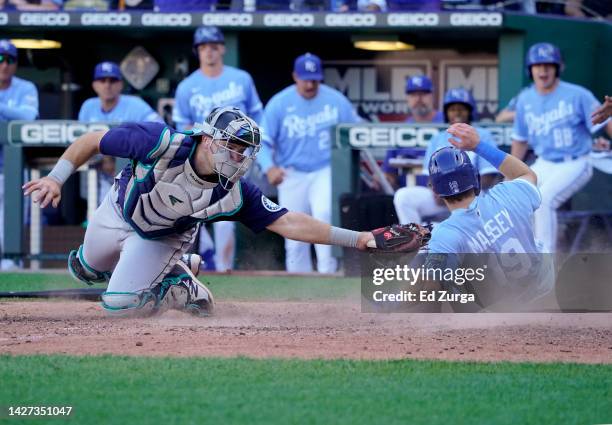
[[400, 238]]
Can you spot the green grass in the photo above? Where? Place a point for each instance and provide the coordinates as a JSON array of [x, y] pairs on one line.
[[223, 391], [223, 286]]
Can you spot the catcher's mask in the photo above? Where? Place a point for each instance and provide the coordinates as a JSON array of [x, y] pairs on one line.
[[235, 144]]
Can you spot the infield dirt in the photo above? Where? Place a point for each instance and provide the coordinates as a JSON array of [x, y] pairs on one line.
[[306, 330]]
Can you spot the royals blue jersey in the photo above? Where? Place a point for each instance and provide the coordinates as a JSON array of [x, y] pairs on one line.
[[441, 141], [129, 108], [170, 206], [557, 125], [297, 131], [497, 221], [18, 102], [197, 95]]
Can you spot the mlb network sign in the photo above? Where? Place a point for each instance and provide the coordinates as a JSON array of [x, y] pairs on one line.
[[377, 88], [50, 133]]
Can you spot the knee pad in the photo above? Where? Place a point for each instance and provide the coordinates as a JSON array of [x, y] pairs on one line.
[[130, 303]]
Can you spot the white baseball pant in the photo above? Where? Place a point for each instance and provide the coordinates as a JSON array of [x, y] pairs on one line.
[[558, 182], [224, 244], [309, 193], [414, 202], [137, 264]]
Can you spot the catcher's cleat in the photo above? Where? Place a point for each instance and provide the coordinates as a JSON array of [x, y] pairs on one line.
[[193, 261], [82, 272], [184, 291]]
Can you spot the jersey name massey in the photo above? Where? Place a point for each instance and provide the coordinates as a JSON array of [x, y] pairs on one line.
[[494, 229]]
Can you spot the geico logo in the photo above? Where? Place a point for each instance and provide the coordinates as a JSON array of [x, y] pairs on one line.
[[388, 137], [169, 19], [229, 19], [476, 19], [56, 133], [3, 19], [350, 20], [413, 19], [288, 20], [50, 19], [119, 19]]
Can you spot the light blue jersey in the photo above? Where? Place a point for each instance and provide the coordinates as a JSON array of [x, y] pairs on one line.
[[557, 125], [297, 131], [497, 221], [440, 141], [197, 95], [18, 102], [128, 109]]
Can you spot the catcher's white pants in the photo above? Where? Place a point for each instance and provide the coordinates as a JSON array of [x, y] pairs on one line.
[[558, 181], [414, 202], [309, 193], [136, 263]]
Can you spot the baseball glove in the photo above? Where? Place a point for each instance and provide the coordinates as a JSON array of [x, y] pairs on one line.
[[400, 238]]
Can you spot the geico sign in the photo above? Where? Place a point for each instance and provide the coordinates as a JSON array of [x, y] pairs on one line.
[[476, 19], [45, 19], [228, 19], [350, 20], [288, 20], [413, 19], [59, 133], [390, 137], [3, 19], [112, 19], [169, 19]]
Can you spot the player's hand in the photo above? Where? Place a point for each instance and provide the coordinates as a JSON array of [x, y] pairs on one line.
[[603, 112], [275, 175], [44, 191], [465, 137], [364, 238]]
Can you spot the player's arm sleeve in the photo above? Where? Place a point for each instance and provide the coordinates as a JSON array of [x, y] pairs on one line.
[[142, 141], [27, 106], [180, 111], [257, 211], [254, 104], [484, 166], [349, 113], [519, 131], [588, 104], [269, 130]]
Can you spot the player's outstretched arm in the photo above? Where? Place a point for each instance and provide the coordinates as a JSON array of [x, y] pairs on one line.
[[304, 228], [466, 137], [48, 189], [603, 112]]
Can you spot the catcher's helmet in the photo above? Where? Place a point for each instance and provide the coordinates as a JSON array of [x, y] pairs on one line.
[[543, 53], [463, 96], [237, 139], [451, 172], [207, 34]]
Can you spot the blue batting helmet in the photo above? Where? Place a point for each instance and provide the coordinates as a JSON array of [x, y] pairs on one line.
[[463, 96], [207, 34], [451, 172], [543, 53]]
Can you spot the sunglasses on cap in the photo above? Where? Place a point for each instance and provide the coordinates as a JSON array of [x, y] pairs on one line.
[[8, 59]]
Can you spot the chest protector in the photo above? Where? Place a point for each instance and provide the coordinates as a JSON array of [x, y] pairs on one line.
[[167, 197]]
